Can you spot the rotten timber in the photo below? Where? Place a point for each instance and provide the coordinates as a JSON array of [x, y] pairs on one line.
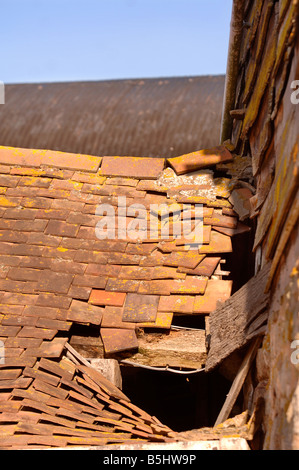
[[238, 320], [183, 348]]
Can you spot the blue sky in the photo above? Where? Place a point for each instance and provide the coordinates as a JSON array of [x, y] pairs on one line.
[[70, 40]]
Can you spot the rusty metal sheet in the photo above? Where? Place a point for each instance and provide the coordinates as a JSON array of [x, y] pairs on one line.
[[140, 308], [116, 340]]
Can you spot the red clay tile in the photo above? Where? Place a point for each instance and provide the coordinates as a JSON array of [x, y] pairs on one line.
[[118, 246], [53, 300], [24, 274], [200, 159], [176, 304], [96, 282], [67, 185], [132, 167], [58, 283], [73, 206], [119, 181], [220, 220], [80, 293], [108, 270], [122, 285], [61, 160], [123, 259], [117, 340], [205, 267], [136, 272], [142, 249], [151, 185], [9, 181], [20, 214], [13, 237], [85, 313], [219, 243], [45, 312], [203, 236], [228, 211], [33, 332], [36, 203], [112, 318], [156, 258], [35, 182], [87, 178], [190, 285], [216, 291], [140, 308], [84, 256], [186, 259], [156, 287], [86, 233], [41, 239], [240, 201], [163, 321], [231, 232], [20, 157], [66, 266], [102, 297], [62, 229], [166, 272]]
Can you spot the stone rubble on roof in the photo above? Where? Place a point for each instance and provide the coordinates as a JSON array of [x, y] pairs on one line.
[[55, 273]]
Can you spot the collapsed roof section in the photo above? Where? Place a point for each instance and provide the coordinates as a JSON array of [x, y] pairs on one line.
[[56, 272]]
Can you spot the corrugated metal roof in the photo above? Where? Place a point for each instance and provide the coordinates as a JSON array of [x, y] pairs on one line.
[[151, 117]]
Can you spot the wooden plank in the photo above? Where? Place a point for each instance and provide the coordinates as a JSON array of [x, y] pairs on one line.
[[289, 225], [231, 324], [262, 81], [238, 382]]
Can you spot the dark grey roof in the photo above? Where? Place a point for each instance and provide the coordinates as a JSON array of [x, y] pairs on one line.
[[146, 117]]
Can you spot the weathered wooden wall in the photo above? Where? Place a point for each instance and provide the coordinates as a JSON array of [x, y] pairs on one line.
[[266, 128]]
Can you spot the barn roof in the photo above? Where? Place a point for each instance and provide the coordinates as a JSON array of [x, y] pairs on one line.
[[57, 273], [149, 117]]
